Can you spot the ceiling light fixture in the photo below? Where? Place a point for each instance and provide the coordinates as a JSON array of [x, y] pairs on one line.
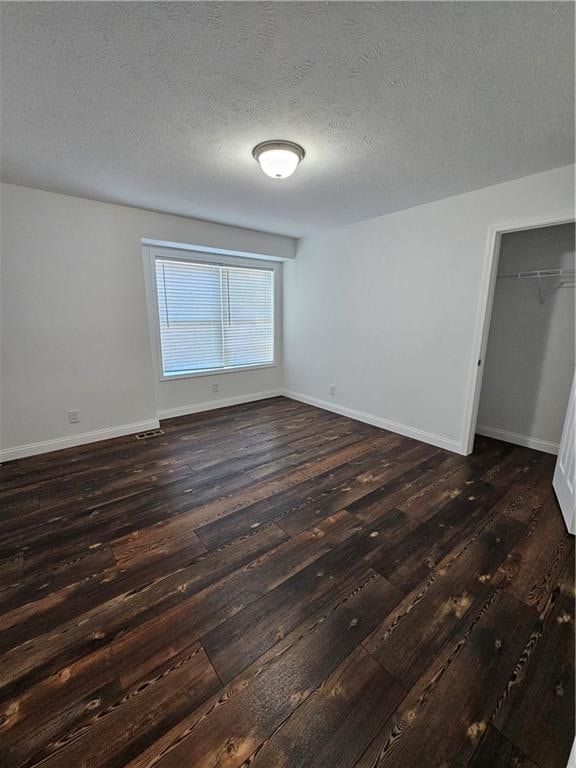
[[278, 159]]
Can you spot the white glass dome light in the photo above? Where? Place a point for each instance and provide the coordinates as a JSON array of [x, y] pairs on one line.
[[278, 159]]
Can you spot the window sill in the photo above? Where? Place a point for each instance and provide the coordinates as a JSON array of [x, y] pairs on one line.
[[216, 372]]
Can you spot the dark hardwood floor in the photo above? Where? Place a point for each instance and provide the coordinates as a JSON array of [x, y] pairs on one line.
[[274, 585]]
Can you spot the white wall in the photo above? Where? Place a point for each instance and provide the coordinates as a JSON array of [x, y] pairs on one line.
[[73, 316], [530, 355], [386, 309]]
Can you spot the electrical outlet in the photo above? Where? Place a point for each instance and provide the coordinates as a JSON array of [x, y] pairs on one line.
[[215, 387], [332, 389], [74, 417]]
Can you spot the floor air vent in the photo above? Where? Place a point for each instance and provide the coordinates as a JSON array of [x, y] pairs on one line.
[[150, 433]]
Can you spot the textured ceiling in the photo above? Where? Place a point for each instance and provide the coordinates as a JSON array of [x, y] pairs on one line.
[[158, 105]]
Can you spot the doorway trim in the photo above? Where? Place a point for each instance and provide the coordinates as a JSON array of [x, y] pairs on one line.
[[484, 313]]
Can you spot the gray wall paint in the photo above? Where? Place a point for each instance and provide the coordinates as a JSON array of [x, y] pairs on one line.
[[530, 356], [386, 309], [73, 315]]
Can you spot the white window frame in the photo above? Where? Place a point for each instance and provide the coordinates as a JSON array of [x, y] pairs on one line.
[[151, 253]]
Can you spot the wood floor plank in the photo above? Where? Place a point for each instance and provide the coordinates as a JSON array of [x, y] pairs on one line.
[[536, 710], [271, 584], [11, 568], [39, 609], [296, 435], [310, 492], [139, 717], [394, 462], [57, 704], [190, 428], [517, 465], [409, 561], [535, 563], [227, 730], [160, 540], [123, 480], [314, 452], [399, 488], [444, 716], [74, 501], [337, 722], [41, 580], [525, 498], [40, 655], [199, 613], [410, 638], [237, 642], [495, 751], [443, 488], [208, 512]]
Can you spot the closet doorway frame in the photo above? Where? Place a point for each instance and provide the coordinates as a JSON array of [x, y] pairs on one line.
[[484, 313]]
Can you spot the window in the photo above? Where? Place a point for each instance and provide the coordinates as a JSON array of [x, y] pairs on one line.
[[213, 317]]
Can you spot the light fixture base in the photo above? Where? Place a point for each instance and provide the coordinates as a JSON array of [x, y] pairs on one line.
[[278, 158], [278, 144]]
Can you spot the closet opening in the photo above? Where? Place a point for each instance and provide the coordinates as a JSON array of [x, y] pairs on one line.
[[528, 357]]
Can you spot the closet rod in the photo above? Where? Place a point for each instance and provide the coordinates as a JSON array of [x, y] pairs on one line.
[[539, 273], [566, 279]]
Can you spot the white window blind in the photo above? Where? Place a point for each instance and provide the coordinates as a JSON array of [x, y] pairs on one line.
[[214, 316]]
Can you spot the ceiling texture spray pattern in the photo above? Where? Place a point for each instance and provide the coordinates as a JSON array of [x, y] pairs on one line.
[[159, 105]]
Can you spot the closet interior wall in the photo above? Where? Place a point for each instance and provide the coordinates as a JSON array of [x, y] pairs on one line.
[[530, 356]]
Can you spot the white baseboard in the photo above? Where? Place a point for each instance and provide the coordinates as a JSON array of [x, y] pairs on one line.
[[377, 421], [525, 440], [211, 405], [47, 446]]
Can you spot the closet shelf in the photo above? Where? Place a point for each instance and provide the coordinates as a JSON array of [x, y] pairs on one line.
[[566, 277], [539, 273]]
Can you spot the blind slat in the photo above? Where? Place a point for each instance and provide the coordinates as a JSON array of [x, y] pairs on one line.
[[213, 316]]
